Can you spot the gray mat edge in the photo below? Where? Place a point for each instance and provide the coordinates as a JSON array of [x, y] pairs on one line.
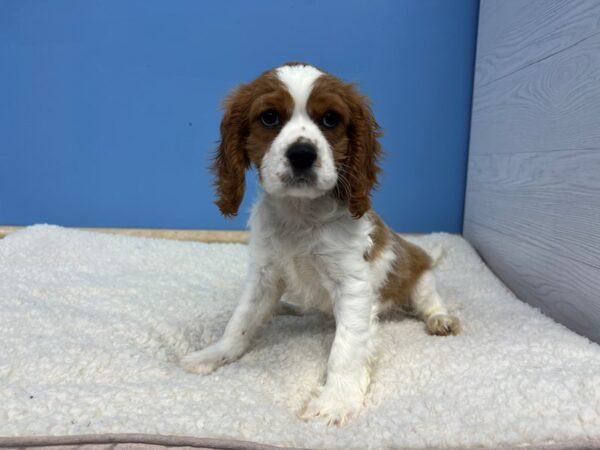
[[222, 444], [134, 438]]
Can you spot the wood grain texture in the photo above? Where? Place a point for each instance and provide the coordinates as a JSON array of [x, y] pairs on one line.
[[209, 236], [539, 30], [229, 236], [532, 206], [552, 105], [550, 200]]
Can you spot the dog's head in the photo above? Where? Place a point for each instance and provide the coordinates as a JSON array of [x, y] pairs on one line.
[[308, 133]]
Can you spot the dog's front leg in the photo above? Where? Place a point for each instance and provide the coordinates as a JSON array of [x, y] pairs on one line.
[[348, 377], [257, 305]]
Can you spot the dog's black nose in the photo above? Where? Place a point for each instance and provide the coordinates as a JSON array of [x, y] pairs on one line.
[[301, 156]]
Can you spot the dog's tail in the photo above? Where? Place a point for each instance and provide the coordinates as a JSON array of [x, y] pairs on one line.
[[436, 254]]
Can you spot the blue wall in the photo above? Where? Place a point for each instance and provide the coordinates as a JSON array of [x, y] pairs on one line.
[[109, 110]]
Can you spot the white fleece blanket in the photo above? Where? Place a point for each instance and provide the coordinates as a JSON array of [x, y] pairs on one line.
[[91, 327]]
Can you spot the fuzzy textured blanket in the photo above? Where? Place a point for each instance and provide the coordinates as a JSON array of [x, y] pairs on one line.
[[92, 326]]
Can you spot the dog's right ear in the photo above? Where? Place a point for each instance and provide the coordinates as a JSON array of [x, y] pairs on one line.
[[231, 159]]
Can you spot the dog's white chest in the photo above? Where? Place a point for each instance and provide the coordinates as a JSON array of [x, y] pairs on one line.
[[304, 285]]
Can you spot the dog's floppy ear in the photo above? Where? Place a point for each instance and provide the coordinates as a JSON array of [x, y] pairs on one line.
[[360, 168], [231, 159]]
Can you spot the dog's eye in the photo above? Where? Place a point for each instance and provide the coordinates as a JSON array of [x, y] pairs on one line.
[[270, 118], [331, 119]]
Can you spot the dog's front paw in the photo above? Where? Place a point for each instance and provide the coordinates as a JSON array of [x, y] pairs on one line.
[[196, 363], [207, 360], [443, 325], [335, 406]]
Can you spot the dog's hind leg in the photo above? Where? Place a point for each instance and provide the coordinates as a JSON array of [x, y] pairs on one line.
[[428, 304]]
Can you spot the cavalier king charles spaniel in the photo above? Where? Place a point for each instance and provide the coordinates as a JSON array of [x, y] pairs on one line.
[[313, 234]]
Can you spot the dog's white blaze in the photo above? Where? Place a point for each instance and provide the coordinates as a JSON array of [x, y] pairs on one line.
[[299, 81]]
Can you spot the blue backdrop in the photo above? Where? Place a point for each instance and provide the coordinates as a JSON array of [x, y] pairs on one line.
[[109, 110]]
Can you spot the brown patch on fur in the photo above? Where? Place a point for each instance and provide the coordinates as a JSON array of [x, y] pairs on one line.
[[380, 236], [243, 139], [410, 262], [409, 265], [354, 141]]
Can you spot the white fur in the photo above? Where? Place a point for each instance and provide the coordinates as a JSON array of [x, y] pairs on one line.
[[299, 80], [308, 244]]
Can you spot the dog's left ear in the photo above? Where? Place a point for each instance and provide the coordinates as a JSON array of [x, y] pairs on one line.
[[361, 166], [231, 159]]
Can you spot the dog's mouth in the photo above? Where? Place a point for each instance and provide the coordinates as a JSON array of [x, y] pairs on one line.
[[308, 179], [301, 185]]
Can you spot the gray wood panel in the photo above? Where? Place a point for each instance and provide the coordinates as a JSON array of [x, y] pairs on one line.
[[550, 200], [541, 29], [551, 105], [533, 187]]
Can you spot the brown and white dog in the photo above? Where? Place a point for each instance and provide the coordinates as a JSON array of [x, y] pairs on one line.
[[314, 236]]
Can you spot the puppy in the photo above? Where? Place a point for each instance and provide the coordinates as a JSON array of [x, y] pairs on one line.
[[313, 234]]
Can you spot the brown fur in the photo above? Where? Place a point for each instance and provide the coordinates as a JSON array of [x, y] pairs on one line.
[[410, 263], [380, 236], [243, 139], [354, 142]]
